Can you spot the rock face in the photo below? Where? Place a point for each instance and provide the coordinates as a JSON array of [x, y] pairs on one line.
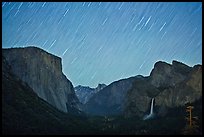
[[171, 86], [23, 112], [84, 93], [109, 100], [43, 73]]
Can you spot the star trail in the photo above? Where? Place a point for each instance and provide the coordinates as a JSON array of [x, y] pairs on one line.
[[100, 42]]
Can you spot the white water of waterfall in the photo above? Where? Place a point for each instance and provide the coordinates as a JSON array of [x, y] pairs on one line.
[[152, 106], [151, 111]]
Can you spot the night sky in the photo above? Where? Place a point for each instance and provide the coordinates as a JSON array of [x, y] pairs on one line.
[[103, 42]]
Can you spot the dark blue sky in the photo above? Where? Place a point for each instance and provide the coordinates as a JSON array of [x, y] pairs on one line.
[[104, 42]]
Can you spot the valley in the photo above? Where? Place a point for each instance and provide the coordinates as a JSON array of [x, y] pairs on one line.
[[25, 111]]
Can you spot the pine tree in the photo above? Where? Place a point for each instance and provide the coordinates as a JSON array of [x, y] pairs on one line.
[[191, 127]]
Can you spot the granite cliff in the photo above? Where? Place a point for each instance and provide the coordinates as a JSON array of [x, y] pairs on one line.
[[42, 71], [25, 113], [171, 85]]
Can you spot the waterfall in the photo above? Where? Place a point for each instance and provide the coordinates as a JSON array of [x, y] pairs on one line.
[[151, 114], [152, 105]]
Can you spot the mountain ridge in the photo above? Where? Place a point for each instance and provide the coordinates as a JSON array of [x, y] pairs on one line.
[[169, 84], [163, 75]]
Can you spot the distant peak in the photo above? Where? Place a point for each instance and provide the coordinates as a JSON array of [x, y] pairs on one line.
[[100, 86], [80, 86]]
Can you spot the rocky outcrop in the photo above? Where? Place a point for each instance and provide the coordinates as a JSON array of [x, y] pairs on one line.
[[109, 100], [84, 93], [164, 74], [171, 86], [42, 71], [188, 90]]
